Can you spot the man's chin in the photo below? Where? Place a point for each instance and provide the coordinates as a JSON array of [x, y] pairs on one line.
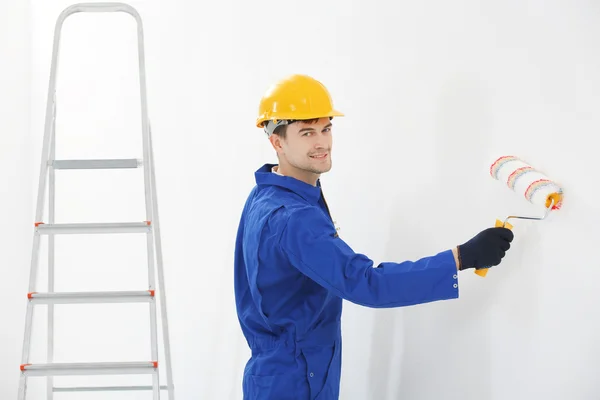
[[316, 169], [323, 169]]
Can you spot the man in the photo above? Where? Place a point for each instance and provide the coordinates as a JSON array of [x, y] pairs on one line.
[[292, 270]]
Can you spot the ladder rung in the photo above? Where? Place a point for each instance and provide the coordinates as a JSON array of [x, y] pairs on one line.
[[99, 368], [104, 388], [88, 228], [96, 164], [92, 297]]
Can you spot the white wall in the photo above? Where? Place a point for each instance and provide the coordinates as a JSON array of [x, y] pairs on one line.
[[16, 169], [524, 77], [440, 88]]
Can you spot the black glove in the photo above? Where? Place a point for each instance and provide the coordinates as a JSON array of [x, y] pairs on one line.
[[486, 249]]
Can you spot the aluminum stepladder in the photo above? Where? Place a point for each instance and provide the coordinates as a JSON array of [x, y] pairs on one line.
[[150, 228]]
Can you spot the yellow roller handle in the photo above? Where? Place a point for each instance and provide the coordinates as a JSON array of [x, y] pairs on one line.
[[499, 224]]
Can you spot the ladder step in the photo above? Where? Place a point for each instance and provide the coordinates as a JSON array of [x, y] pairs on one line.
[[104, 388], [89, 228], [141, 296], [96, 164], [99, 368]]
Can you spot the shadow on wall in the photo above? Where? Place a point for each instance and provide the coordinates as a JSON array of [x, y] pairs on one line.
[[440, 346]]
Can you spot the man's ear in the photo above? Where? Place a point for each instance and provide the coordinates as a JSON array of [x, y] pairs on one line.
[[275, 142]]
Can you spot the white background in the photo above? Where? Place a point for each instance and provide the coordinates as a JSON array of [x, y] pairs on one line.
[[433, 92]]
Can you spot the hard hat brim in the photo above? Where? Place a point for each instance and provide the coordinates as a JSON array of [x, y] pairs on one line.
[[295, 116]]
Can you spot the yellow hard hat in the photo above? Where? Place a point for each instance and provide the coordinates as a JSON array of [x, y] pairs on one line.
[[296, 97]]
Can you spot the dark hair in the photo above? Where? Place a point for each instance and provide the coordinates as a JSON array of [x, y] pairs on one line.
[[281, 130]]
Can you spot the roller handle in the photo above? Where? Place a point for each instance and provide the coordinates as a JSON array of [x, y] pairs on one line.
[[499, 224]]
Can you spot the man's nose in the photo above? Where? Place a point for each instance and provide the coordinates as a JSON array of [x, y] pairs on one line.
[[321, 141]]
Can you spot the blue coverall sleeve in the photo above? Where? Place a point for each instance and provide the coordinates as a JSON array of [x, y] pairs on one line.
[[311, 244]]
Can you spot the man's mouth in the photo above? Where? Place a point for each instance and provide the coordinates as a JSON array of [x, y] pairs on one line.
[[319, 156]]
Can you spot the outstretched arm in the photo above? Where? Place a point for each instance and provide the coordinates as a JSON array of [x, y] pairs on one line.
[[312, 246]]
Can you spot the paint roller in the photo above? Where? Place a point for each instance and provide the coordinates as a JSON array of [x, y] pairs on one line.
[[523, 179]]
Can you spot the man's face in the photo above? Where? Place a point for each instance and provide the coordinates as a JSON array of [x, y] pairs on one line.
[[307, 146]]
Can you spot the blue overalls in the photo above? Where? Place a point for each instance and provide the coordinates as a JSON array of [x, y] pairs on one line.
[[292, 272]]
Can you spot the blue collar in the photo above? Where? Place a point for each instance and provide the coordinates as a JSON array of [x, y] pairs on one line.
[[265, 176]]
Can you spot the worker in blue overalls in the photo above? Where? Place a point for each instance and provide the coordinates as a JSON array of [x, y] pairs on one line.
[[292, 270]]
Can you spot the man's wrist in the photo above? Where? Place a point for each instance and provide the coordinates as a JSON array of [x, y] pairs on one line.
[[456, 260]]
